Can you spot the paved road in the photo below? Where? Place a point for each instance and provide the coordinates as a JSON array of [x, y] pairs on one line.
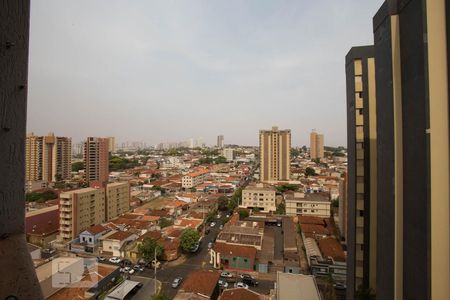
[[195, 261], [148, 290]]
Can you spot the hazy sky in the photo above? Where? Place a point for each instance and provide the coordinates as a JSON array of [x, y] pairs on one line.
[[162, 71]]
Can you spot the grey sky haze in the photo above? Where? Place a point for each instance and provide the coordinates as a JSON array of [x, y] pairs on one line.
[[162, 71]]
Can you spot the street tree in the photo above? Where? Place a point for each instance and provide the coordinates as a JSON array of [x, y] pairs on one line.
[[189, 237]]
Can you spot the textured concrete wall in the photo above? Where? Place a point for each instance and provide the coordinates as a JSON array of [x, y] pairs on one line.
[[18, 278]]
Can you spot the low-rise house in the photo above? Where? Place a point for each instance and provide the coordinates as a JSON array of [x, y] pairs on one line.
[[188, 223], [233, 257], [171, 248], [295, 286], [113, 243], [42, 226], [89, 239], [243, 233], [199, 283]]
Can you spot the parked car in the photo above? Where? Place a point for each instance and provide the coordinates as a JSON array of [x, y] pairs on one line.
[[131, 271], [223, 284], [210, 244], [241, 285], [101, 258], [212, 224], [176, 282], [221, 227], [226, 274], [138, 268], [250, 281], [245, 275], [114, 260], [125, 269], [196, 247]]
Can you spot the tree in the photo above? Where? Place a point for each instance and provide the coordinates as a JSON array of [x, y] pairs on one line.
[[287, 187], [295, 152], [77, 166], [281, 209], [223, 203], [164, 222], [160, 296], [158, 188], [193, 189], [147, 249], [243, 213], [189, 237], [220, 160], [310, 172]]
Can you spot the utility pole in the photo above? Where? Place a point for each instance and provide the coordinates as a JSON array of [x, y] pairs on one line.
[[155, 269]]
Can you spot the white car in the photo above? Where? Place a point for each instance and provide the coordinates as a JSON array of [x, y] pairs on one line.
[[226, 274], [223, 284], [212, 224], [131, 271], [241, 285], [114, 260]]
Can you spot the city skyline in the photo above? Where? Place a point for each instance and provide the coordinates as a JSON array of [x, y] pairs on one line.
[[132, 68]]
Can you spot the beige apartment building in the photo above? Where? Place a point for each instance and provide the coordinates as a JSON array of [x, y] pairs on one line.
[[47, 158], [80, 209], [301, 204], [316, 145], [96, 160], [260, 196], [275, 154], [194, 178], [117, 199]]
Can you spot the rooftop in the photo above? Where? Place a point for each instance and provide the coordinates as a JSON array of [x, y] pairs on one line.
[[203, 282]]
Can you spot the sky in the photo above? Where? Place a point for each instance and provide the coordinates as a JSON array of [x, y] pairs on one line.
[[166, 71]]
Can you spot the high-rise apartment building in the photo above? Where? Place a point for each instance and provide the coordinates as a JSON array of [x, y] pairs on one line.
[[412, 223], [362, 168], [228, 153], [96, 160], [275, 154], [48, 158], [117, 199], [220, 141], [80, 209], [111, 144], [316, 145]]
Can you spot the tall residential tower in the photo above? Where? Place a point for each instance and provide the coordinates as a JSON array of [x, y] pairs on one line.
[[275, 154], [96, 160], [316, 145]]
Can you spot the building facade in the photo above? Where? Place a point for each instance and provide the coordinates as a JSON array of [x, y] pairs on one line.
[[275, 154], [48, 158], [117, 199], [193, 179], [220, 141], [96, 160], [412, 223], [300, 204], [259, 196], [411, 54], [316, 145], [228, 153], [362, 167], [79, 210]]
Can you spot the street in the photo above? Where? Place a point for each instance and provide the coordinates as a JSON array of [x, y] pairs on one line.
[[195, 261]]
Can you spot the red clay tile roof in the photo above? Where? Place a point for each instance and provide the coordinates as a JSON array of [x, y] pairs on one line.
[[43, 224], [96, 229], [313, 228], [236, 250], [203, 282], [311, 220], [170, 244], [154, 235], [120, 235], [330, 247], [239, 294]]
